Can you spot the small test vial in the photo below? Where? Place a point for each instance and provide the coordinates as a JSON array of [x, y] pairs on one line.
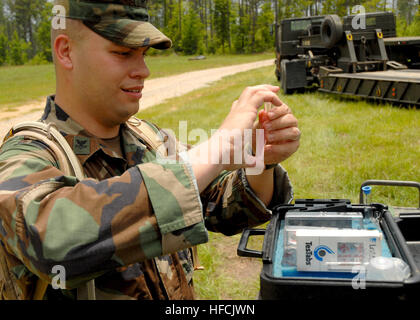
[[267, 106], [367, 192], [259, 153]]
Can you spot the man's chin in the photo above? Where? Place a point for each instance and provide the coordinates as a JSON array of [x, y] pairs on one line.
[[128, 112]]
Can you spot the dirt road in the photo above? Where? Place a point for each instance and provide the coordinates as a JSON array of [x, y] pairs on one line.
[[155, 91]]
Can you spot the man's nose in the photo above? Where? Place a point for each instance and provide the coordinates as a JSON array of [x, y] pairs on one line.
[[140, 69]]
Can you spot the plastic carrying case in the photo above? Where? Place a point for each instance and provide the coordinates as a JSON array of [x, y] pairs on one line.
[[401, 230]]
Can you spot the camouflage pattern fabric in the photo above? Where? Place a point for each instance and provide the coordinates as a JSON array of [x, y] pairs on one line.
[[124, 22], [129, 224]]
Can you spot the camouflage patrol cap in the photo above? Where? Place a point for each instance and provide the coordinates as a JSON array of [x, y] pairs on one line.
[[124, 22]]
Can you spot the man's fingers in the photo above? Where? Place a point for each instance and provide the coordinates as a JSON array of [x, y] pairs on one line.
[[256, 96], [279, 111], [249, 92], [283, 135], [285, 121], [256, 100], [264, 96], [254, 89]]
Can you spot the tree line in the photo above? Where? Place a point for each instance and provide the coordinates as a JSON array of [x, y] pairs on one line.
[[195, 26]]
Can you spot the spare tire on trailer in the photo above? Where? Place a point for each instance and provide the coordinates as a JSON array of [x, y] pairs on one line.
[[331, 30]]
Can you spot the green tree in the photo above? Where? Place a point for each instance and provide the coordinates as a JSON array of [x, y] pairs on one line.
[[18, 48], [375, 5], [240, 29], [407, 18], [24, 17], [407, 9], [192, 32], [156, 13], [263, 38], [174, 27], [3, 47], [43, 34], [2, 18], [338, 7], [414, 28], [222, 22]]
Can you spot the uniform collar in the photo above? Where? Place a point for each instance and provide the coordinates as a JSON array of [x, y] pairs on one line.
[[83, 143]]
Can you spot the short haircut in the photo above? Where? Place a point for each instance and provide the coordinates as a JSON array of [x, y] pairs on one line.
[[74, 29]]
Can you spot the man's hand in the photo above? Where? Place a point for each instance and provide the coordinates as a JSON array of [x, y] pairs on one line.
[[245, 110], [281, 132], [224, 145], [241, 117], [282, 140]]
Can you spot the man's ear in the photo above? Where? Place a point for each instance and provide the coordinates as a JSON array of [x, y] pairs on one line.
[[62, 50]]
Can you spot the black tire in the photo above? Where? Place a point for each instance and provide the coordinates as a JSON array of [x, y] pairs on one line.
[[278, 74], [283, 75], [331, 30]]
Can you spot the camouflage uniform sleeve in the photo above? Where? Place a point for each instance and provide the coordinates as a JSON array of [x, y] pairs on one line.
[[230, 204], [91, 226]]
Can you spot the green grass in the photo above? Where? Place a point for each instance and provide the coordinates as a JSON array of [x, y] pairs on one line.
[[344, 142], [227, 276], [21, 84]]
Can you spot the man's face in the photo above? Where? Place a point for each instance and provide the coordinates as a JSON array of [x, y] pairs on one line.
[[108, 78]]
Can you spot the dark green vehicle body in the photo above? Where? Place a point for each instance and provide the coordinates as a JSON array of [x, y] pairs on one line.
[[341, 56]]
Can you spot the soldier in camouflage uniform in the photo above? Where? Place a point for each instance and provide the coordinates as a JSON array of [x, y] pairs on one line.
[[130, 223]]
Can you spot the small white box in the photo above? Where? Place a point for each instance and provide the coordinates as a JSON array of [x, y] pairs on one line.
[[336, 250], [295, 220]]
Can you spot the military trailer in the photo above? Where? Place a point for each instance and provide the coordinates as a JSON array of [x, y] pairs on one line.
[[335, 55], [405, 50]]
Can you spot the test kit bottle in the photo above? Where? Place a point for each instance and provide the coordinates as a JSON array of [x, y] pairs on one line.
[[367, 192]]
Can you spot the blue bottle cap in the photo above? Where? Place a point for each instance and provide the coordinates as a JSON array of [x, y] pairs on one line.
[[366, 189]]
